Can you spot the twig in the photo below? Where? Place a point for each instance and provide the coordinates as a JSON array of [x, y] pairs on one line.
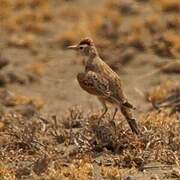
[[96, 172], [176, 160], [155, 71], [157, 166], [37, 142], [41, 118], [55, 126], [139, 92]]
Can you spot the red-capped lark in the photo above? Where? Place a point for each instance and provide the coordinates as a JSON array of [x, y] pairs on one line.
[[100, 80]]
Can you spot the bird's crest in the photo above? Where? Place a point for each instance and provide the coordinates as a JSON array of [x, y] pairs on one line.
[[87, 41]]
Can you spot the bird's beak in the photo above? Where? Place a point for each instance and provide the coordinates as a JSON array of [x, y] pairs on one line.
[[74, 47]]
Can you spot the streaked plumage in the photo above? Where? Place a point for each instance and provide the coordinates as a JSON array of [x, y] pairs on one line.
[[100, 80]]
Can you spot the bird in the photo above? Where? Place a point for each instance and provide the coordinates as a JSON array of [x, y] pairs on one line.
[[100, 80]]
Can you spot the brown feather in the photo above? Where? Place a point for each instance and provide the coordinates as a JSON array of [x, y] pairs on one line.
[[87, 41]]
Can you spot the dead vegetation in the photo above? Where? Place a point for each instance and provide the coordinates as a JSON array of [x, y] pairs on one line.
[[36, 146], [72, 145]]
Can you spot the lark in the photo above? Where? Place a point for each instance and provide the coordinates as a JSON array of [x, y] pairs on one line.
[[100, 80]]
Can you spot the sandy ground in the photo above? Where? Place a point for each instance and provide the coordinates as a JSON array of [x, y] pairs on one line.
[[46, 72]]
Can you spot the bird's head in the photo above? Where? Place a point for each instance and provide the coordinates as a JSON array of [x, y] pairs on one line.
[[86, 47]]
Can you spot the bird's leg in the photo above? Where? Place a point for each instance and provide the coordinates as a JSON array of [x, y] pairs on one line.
[[112, 120], [105, 109], [114, 114]]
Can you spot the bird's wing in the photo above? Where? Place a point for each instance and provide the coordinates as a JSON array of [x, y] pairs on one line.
[[94, 83], [115, 86], [97, 84]]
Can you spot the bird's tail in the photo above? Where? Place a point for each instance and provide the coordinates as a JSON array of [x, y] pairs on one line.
[[134, 127], [131, 121], [128, 105]]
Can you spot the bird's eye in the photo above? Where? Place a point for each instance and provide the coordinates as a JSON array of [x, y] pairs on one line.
[[81, 47]]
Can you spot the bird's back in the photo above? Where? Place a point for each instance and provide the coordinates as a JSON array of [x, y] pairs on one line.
[[103, 69], [100, 67]]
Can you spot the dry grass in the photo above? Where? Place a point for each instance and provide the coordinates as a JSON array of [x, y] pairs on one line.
[[160, 92], [72, 150], [74, 145], [169, 6]]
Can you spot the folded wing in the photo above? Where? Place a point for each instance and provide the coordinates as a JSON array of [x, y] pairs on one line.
[[94, 83]]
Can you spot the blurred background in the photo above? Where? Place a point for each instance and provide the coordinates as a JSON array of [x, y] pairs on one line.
[[137, 38]]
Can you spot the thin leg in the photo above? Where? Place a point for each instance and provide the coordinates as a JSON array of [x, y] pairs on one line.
[[112, 120], [115, 111], [105, 109]]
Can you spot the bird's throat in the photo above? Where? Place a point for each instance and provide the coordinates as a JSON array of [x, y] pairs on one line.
[[89, 64]]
